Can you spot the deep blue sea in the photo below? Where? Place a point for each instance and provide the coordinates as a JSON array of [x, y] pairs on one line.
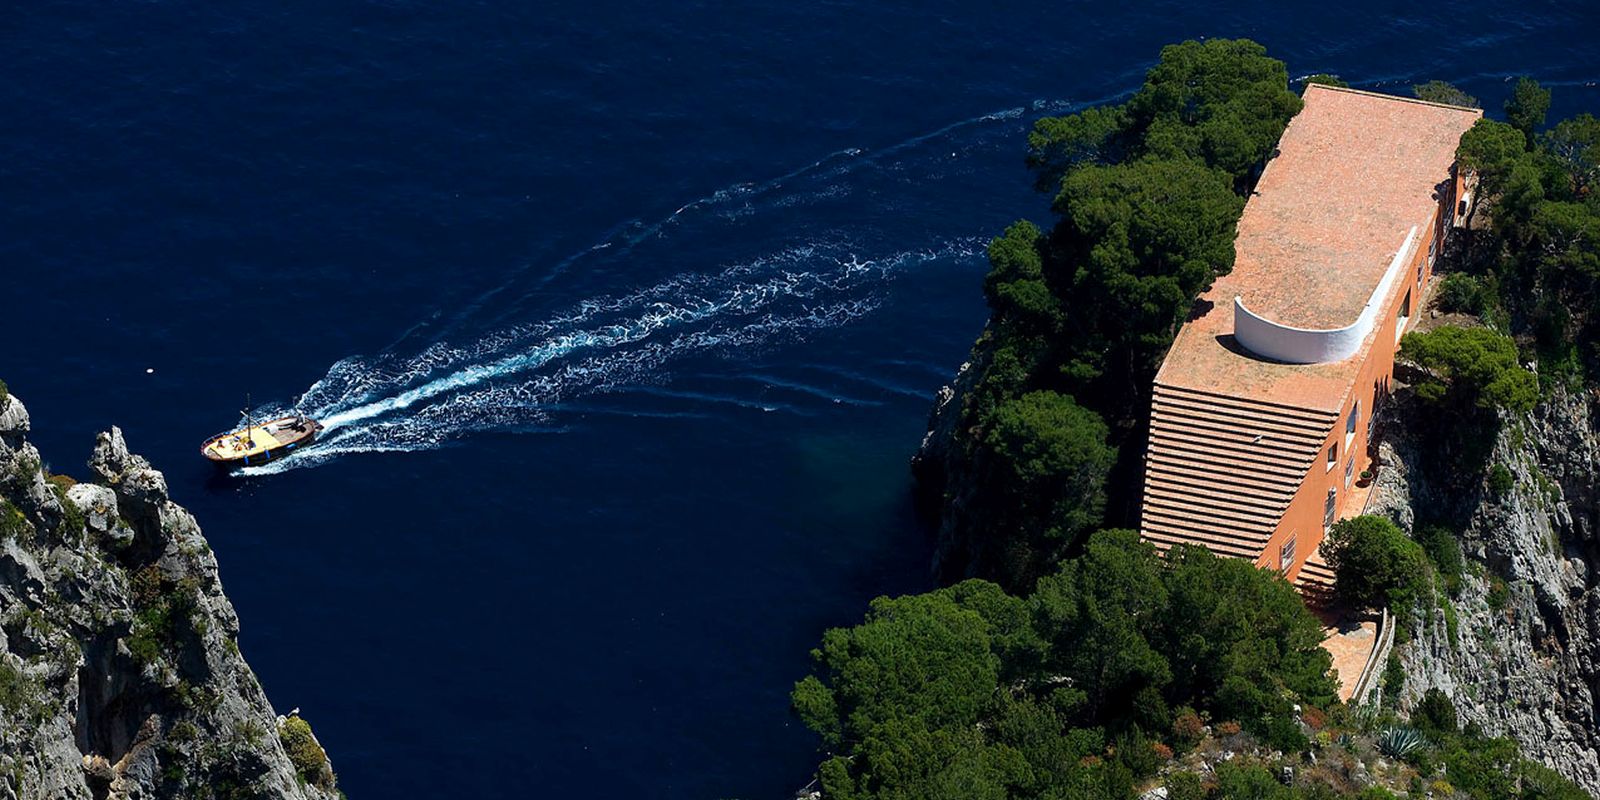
[[625, 318]]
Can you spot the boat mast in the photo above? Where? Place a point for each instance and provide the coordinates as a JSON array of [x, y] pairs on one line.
[[248, 422]]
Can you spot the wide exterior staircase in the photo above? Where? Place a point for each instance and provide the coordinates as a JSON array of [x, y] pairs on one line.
[[1220, 471], [1315, 581]]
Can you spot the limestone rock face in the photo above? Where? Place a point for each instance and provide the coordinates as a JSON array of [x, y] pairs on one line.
[[1522, 661], [120, 671]]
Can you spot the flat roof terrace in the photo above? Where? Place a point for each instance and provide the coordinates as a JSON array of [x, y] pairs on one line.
[[1354, 173]]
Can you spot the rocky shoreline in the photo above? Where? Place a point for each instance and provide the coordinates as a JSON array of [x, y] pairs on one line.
[[120, 670]]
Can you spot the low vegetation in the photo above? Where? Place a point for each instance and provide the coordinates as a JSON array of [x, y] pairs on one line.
[[309, 759], [165, 611]]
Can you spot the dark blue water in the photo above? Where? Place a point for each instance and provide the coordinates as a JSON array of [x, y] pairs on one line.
[[625, 317]]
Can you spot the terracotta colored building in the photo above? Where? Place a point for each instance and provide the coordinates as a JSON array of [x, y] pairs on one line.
[[1262, 409]]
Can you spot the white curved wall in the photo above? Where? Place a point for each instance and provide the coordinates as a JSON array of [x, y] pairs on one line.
[[1294, 345]]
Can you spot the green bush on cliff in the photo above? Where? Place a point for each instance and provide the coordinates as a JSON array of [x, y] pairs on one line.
[[1441, 92], [971, 692], [1469, 368], [1375, 564], [5, 394], [1444, 550], [308, 757]]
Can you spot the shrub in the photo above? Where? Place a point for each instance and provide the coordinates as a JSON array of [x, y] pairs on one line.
[[12, 522], [308, 757], [1499, 594], [1435, 713], [1374, 564], [1394, 678], [1187, 728], [1399, 742], [1500, 481], [1441, 92], [1279, 732], [5, 394], [1461, 294], [1326, 79], [1444, 550], [17, 693], [1184, 786]]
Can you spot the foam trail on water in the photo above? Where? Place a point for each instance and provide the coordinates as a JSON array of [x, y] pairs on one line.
[[504, 361], [516, 379]]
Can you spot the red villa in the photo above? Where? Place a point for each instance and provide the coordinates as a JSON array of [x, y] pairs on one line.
[[1263, 407]]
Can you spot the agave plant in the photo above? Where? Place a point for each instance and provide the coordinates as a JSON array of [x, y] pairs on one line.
[[1399, 742]]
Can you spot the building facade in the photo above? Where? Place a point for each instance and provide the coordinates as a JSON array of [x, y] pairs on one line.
[[1263, 410]]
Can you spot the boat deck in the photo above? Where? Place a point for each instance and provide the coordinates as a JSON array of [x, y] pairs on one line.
[[257, 440]]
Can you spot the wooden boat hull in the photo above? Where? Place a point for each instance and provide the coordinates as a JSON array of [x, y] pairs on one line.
[[260, 444]]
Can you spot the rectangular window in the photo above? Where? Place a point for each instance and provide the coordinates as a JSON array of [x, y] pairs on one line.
[[1333, 454], [1328, 509], [1286, 554], [1350, 424], [1377, 408], [1403, 317], [1349, 471]]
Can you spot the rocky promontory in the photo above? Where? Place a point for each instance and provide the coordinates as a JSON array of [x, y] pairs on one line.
[[120, 670]]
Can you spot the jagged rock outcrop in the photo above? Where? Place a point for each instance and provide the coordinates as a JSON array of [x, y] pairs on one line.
[[1522, 657], [120, 672]]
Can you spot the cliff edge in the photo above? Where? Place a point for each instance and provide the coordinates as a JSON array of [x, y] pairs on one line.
[[120, 671], [1517, 647]]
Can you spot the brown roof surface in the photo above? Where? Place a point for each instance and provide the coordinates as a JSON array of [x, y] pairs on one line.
[[1354, 172]]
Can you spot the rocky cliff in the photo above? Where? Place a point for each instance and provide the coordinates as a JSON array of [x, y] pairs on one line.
[[1518, 648], [945, 479], [120, 671]]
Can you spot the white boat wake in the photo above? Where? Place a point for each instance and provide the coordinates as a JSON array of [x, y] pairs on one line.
[[523, 376]]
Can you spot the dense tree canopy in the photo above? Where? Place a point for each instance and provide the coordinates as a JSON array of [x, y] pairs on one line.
[[1146, 198], [971, 692], [1539, 260], [1375, 564], [1051, 460], [1470, 367], [1527, 106], [1221, 101], [1138, 242]]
